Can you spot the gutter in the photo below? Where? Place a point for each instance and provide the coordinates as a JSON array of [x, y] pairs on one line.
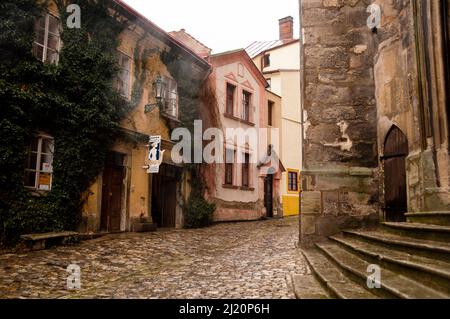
[[302, 86]]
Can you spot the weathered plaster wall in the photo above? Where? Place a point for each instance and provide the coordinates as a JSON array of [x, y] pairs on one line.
[[340, 176], [136, 201]]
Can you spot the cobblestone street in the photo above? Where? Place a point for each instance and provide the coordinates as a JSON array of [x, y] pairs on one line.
[[235, 260]]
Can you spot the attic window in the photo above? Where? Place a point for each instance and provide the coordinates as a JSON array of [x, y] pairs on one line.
[[266, 60]]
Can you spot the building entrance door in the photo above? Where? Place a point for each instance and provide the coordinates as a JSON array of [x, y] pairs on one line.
[[164, 196], [395, 152], [268, 194], [112, 191]]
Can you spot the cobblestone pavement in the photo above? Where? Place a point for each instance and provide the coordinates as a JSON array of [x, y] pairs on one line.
[[233, 260]]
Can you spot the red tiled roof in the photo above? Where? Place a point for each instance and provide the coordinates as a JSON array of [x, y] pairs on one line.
[[179, 35]]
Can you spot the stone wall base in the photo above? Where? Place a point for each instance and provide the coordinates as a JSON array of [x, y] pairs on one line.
[[237, 211], [337, 199]]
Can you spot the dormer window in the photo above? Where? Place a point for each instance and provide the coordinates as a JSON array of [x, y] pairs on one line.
[[47, 39]]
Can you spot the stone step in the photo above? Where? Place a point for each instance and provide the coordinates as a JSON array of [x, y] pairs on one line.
[[433, 218], [428, 271], [334, 281], [391, 282], [305, 286], [420, 247], [420, 231]]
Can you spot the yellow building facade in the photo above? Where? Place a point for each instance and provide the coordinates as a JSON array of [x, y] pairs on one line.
[[125, 197]]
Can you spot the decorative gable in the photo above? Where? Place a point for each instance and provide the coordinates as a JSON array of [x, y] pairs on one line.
[[248, 85], [231, 77]]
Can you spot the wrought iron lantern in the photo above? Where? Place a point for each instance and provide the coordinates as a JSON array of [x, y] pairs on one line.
[[159, 89]]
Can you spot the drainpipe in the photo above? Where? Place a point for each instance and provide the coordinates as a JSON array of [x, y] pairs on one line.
[[302, 86]]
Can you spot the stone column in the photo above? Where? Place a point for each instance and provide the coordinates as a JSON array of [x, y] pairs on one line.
[[340, 174]]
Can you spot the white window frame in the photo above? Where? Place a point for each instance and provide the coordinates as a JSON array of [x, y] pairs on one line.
[[171, 98], [128, 93], [37, 170], [46, 36]]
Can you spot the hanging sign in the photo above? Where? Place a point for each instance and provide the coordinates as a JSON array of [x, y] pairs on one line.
[[45, 181], [155, 155]]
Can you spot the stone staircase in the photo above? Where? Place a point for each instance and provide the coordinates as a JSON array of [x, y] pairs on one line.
[[414, 259]]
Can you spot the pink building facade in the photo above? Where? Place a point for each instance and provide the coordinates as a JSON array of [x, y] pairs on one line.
[[242, 103]]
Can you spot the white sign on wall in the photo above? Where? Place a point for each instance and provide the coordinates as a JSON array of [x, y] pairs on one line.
[[155, 155]]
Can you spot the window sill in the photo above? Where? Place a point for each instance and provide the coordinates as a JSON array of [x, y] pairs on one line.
[[229, 186], [37, 193], [247, 189], [232, 117]]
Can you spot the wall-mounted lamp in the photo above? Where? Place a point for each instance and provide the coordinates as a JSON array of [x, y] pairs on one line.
[[159, 89]]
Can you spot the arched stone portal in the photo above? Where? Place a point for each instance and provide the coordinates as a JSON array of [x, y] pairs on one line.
[[395, 152]]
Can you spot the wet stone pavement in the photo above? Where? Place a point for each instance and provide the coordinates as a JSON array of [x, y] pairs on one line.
[[233, 260]]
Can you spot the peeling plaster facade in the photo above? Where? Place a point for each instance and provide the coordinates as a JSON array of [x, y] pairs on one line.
[[137, 195]]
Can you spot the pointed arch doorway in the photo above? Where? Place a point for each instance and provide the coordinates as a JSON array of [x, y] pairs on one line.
[[395, 152]]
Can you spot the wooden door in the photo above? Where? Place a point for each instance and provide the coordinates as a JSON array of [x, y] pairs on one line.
[[170, 203], [268, 195], [395, 150], [112, 192], [164, 196]]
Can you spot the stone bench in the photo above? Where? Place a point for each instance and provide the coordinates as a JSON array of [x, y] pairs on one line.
[[38, 241]]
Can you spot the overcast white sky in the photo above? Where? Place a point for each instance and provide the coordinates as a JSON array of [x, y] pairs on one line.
[[221, 25]]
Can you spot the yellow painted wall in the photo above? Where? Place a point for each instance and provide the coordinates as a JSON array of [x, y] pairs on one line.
[[136, 187], [291, 205]]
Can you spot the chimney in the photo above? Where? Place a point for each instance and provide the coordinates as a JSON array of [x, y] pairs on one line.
[[286, 28]]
